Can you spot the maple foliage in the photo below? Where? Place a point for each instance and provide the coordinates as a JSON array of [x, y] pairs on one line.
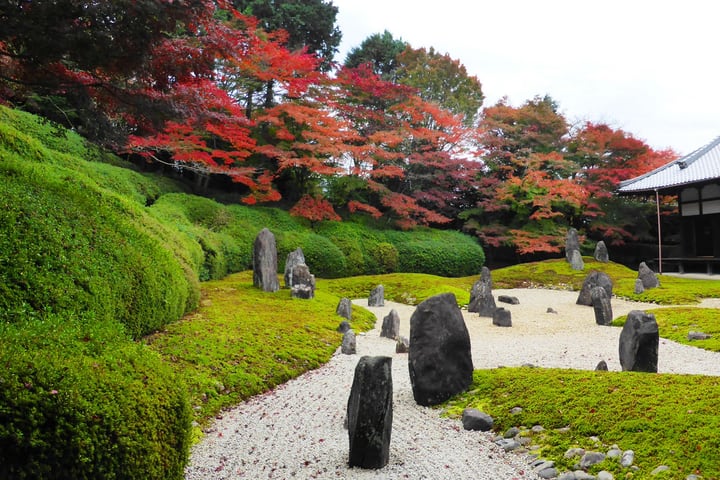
[[315, 209]]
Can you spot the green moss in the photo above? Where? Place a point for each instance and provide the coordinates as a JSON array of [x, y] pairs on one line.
[[666, 419], [243, 341]]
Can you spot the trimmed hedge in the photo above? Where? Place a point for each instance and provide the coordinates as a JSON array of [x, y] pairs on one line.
[[78, 400]]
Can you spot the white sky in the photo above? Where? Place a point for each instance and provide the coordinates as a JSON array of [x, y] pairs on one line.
[[651, 68]]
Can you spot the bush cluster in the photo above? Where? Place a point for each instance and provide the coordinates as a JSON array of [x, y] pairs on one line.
[[95, 255]]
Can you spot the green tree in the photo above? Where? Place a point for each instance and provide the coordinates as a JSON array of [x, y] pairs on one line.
[[381, 51], [309, 24], [442, 80]]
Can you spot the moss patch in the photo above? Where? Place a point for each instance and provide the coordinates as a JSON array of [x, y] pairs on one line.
[[242, 341], [666, 419]]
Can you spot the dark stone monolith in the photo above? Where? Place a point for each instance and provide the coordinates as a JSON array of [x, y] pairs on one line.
[[265, 262], [481, 297], [440, 360], [370, 413], [592, 280], [639, 342], [391, 325]]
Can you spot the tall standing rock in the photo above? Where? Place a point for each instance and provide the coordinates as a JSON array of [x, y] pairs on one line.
[[601, 252], [391, 325], [639, 342], [647, 276], [602, 306], [592, 280], [440, 360], [481, 297], [576, 261], [294, 258], [572, 243], [344, 308], [265, 262], [370, 413], [377, 297]]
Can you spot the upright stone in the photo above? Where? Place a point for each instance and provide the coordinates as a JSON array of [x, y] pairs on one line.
[[303, 282], [639, 342], [440, 360], [265, 262], [391, 325], [647, 276], [481, 297], [377, 297], [572, 243], [344, 308], [602, 366], [370, 413], [601, 252], [349, 343], [639, 287], [602, 306], [294, 258], [576, 261], [592, 280]]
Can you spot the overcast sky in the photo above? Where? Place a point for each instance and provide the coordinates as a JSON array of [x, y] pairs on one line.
[[651, 68]]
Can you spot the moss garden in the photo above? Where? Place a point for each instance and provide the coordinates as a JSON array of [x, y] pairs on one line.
[[128, 320]]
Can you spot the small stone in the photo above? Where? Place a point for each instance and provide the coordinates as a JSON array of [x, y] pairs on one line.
[[698, 336], [537, 429], [602, 366], [647, 276], [692, 476], [614, 452], [511, 432], [508, 444], [502, 318], [576, 261], [590, 459], [627, 459], [508, 299], [567, 476], [402, 345], [639, 287], [542, 464], [551, 310], [516, 410], [474, 419], [391, 325], [548, 473], [344, 308], [343, 327], [601, 252], [660, 469], [582, 475], [605, 475], [574, 452]]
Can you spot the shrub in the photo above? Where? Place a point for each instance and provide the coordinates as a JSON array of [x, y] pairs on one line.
[[80, 401], [322, 256]]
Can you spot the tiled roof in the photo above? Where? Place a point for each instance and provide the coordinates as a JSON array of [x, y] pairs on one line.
[[701, 165]]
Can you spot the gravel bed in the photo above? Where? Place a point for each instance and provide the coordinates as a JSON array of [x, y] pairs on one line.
[[296, 430]]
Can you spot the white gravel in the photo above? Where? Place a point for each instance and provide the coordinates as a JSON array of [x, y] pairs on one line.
[[296, 430]]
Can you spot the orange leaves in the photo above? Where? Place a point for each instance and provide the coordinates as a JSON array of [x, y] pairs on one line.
[[355, 206]]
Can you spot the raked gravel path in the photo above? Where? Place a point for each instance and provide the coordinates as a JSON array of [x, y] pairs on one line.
[[296, 431]]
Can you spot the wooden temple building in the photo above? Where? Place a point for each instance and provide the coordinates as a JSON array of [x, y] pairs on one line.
[[695, 180]]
